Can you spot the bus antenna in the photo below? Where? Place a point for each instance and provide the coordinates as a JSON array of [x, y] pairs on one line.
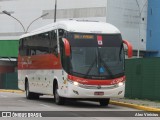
[[55, 11]]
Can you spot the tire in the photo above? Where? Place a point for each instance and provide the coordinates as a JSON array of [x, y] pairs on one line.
[[30, 95], [58, 99], [104, 102], [35, 96]]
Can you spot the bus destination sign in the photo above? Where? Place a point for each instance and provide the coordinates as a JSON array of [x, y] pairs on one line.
[[77, 36]]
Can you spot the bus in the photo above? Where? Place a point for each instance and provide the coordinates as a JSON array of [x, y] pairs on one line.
[[73, 59]]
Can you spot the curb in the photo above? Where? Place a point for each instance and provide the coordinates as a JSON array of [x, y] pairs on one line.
[[136, 106], [12, 91]]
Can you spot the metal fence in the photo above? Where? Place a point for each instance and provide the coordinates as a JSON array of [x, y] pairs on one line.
[[9, 81], [143, 78]]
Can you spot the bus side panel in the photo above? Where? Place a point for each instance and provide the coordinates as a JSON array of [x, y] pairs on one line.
[[39, 70]]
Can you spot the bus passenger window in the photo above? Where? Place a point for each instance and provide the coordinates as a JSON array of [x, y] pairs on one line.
[[33, 52], [53, 38], [53, 43]]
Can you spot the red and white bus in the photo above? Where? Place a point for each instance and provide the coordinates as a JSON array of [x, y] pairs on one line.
[[73, 59]]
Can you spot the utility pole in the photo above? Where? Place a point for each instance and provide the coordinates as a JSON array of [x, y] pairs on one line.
[[55, 11]]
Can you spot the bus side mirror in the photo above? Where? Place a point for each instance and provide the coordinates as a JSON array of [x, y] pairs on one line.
[[66, 47], [130, 52]]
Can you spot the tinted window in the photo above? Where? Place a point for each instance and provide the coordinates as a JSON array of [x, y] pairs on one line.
[[23, 49], [44, 43]]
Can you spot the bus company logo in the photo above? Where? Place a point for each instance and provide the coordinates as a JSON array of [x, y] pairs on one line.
[[6, 114], [99, 40], [98, 87]]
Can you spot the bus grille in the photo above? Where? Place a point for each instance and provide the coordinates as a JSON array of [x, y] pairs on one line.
[[98, 86]]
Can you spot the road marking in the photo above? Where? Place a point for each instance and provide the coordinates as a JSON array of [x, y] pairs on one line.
[[21, 101], [44, 105], [4, 96]]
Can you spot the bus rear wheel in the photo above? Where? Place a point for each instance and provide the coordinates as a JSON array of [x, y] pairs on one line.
[[104, 102], [58, 99]]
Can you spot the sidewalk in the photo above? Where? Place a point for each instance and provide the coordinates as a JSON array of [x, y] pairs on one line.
[[145, 105], [11, 91]]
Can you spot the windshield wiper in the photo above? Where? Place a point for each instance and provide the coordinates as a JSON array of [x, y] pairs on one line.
[[120, 52], [76, 73], [101, 62], [105, 65], [90, 68]]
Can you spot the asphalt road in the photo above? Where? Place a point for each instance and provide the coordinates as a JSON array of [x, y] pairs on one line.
[[71, 110]]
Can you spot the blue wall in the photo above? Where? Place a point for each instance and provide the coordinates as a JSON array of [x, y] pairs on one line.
[[153, 27]]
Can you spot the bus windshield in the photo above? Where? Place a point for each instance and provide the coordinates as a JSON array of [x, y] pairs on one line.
[[96, 56]]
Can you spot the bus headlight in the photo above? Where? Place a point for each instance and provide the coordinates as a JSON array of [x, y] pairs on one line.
[[120, 84], [75, 83]]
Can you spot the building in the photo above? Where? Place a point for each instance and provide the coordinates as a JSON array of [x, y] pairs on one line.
[[153, 32], [130, 16]]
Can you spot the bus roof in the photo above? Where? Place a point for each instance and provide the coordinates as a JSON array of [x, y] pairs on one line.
[[77, 26]]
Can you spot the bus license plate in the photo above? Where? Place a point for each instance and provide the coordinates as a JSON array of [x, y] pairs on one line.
[[99, 93]]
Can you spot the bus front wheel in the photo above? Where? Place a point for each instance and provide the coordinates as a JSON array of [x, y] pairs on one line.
[[104, 102], [30, 95], [58, 99]]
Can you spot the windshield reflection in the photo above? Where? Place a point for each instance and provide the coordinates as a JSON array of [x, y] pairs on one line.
[[97, 61]]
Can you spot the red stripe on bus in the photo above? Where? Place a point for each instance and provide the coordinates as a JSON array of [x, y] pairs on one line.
[[47, 61], [96, 82]]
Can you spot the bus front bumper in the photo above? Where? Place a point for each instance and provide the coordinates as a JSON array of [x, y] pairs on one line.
[[101, 92]]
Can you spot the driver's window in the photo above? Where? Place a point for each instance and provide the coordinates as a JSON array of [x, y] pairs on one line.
[[53, 42], [61, 33]]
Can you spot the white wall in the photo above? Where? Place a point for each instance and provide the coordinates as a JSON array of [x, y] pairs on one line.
[[121, 13], [125, 15]]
